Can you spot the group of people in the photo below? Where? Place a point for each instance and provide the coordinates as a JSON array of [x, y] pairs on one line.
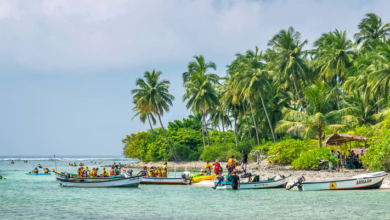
[[160, 172], [114, 171], [46, 170], [350, 161]]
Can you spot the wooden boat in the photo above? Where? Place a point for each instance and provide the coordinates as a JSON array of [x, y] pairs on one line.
[[363, 181], [264, 184], [92, 183], [168, 181], [38, 174], [61, 176]]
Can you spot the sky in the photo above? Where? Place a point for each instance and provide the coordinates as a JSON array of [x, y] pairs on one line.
[[67, 67]]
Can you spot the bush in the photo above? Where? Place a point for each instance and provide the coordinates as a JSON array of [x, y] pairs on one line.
[[287, 150], [220, 151], [377, 157], [310, 159], [265, 148]]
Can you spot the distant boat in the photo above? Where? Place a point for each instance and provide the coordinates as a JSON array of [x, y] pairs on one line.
[[363, 181], [91, 183], [264, 184]]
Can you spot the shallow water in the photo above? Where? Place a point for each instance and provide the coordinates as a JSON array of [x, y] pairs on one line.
[[41, 197]]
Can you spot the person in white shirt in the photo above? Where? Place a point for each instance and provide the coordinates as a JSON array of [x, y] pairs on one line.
[[186, 174]]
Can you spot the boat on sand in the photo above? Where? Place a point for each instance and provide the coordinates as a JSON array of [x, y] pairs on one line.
[[363, 181]]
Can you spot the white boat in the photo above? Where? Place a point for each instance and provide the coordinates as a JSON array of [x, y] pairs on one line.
[[363, 181], [264, 184], [168, 181], [91, 183]]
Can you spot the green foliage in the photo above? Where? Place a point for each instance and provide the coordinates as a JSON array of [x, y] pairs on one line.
[[377, 157], [287, 150], [311, 159], [220, 151]]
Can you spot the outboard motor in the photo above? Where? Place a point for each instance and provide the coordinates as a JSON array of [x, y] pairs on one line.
[[297, 183]]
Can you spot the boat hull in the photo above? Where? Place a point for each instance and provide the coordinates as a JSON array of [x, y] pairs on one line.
[[168, 181], [369, 181], [258, 185], [125, 182]]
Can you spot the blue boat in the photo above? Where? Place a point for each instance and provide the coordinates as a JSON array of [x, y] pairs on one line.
[[38, 173]]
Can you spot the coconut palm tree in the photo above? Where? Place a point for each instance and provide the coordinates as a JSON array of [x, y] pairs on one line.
[[318, 114], [200, 92], [371, 29], [153, 95], [288, 58], [335, 56]]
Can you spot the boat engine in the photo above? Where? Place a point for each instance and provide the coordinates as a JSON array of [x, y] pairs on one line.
[[298, 183]]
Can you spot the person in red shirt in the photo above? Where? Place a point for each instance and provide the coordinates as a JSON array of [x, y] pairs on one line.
[[217, 167]]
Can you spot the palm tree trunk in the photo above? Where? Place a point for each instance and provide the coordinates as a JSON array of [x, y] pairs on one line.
[[223, 130], [296, 90], [205, 127], [254, 122], [337, 97], [266, 114], [169, 145], [319, 140], [235, 130], [204, 142], [247, 124], [151, 127]]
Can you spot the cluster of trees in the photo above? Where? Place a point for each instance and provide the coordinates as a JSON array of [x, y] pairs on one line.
[[340, 85]]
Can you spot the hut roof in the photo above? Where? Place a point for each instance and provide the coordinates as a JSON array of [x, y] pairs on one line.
[[338, 139]]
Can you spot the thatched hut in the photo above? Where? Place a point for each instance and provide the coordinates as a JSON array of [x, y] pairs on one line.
[[340, 139]]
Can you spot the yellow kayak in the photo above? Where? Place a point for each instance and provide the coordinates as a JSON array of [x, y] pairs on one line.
[[196, 179], [209, 177]]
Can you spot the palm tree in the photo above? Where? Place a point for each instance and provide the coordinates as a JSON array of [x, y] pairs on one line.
[[335, 56], [153, 96], [200, 92], [318, 114], [371, 29], [218, 117], [288, 57]]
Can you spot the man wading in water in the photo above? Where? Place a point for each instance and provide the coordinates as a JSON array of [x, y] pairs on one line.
[[235, 180]]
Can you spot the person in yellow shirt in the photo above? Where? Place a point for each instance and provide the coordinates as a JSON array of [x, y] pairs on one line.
[[151, 172], [208, 168], [155, 172], [164, 170], [159, 173]]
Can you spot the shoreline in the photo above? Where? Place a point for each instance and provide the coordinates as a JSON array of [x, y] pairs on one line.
[[264, 170]]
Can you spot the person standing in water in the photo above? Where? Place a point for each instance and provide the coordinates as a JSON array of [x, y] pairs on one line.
[[217, 167], [208, 168], [235, 180]]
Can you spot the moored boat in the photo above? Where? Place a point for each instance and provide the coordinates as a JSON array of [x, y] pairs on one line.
[[168, 181], [363, 181], [128, 181], [264, 184]]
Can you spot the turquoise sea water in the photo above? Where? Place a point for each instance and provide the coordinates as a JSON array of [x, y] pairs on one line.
[[41, 197]]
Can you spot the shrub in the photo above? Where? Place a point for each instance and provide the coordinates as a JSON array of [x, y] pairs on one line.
[[287, 150], [377, 157], [310, 158], [220, 151]]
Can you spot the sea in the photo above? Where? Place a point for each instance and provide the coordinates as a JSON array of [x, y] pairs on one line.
[[41, 197]]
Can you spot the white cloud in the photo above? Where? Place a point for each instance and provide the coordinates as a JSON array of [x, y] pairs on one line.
[[91, 35]]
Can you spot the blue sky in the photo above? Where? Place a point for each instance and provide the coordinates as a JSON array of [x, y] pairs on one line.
[[67, 67]]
